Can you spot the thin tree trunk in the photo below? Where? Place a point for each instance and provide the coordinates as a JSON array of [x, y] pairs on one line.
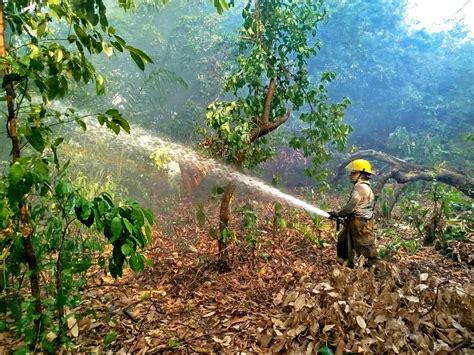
[[224, 217], [263, 127], [30, 254]]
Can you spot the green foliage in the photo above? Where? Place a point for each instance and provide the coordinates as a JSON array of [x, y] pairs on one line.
[[49, 59], [64, 251], [451, 217], [191, 47], [414, 213], [308, 232], [279, 223], [385, 199], [221, 5], [110, 338], [90, 188], [200, 215], [458, 214], [249, 224], [226, 235], [277, 40], [325, 350], [419, 148], [173, 343], [409, 245], [161, 158], [51, 225], [276, 180], [398, 76], [202, 219]]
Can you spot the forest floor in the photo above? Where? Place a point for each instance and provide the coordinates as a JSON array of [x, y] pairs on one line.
[[184, 305]]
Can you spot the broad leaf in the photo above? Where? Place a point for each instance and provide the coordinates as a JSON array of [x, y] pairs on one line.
[[116, 227], [36, 139]]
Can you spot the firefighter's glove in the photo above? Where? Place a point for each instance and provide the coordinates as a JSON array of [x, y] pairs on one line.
[[333, 215]]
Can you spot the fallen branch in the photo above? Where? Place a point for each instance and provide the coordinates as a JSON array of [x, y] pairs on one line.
[[436, 298], [405, 172]]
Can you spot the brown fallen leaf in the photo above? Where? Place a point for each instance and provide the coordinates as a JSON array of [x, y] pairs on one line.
[[361, 322]]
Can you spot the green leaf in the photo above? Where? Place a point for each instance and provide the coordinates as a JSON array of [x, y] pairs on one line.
[[119, 120], [138, 60], [226, 235], [17, 171], [117, 46], [81, 33], [446, 209], [4, 215], [116, 261], [112, 112], [139, 239], [120, 41], [137, 218], [324, 350], [63, 189], [59, 55], [40, 168], [140, 53], [128, 225], [81, 124], [148, 215], [217, 190], [58, 141], [108, 49], [24, 350], [110, 338], [221, 6], [200, 215], [126, 250], [17, 189], [10, 78], [99, 84], [148, 233], [137, 262], [116, 227], [52, 87], [84, 213]]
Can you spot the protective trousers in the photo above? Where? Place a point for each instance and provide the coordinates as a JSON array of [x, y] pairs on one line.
[[357, 235]]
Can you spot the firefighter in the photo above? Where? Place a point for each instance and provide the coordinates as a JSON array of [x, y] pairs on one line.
[[358, 232]]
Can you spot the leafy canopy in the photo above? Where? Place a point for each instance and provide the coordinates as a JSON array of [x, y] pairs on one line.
[[271, 81]]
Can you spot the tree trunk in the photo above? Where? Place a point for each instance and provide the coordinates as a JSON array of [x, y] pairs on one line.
[[224, 217], [191, 176], [262, 127], [30, 254]]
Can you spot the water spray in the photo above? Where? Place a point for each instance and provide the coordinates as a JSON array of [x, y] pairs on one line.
[[144, 140], [181, 153]]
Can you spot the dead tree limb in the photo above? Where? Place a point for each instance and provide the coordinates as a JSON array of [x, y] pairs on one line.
[[405, 172]]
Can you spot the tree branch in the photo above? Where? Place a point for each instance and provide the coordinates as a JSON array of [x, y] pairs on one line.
[[264, 129], [268, 101], [404, 172]]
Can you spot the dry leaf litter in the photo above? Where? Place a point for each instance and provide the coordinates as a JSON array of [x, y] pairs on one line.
[[285, 296], [387, 312]]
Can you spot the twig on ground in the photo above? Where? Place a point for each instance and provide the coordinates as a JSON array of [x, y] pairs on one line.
[[144, 317], [436, 298]]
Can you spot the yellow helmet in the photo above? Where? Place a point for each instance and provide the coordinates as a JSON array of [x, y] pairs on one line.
[[360, 165]]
